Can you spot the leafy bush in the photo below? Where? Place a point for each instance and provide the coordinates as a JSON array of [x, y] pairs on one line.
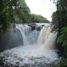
[[62, 63], [63, 39]]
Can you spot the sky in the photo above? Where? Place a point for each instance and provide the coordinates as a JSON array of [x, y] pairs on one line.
[[41, 7]]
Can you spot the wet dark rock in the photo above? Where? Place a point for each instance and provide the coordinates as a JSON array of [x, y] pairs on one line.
[[1, 63], [32, 26], [17, 63], [35, 27], [38, 28]]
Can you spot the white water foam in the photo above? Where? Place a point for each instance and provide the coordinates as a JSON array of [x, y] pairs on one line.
[[42, 51]]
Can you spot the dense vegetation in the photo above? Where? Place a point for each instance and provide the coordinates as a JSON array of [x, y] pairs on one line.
[[16, 11], [12, 11], [38, 18], [59, 21]]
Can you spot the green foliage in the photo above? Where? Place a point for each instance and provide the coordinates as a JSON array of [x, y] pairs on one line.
[[60, 16], [59, 20], [38, 18], [16, 11], [22, 12], [55, 20], [6, 15], [63, 39], [62, 63], [13, 11]]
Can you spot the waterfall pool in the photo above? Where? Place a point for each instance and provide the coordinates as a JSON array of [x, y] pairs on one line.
[[37, 50], [32, 55]]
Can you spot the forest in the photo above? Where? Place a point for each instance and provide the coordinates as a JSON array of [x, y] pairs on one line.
[[12, 12], [59, 20], [15, 11]]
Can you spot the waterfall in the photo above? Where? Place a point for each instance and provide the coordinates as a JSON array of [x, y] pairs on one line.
[[47, 38], [49, 43], [29, 37], [21, 28], [43, 35], [40, 52]]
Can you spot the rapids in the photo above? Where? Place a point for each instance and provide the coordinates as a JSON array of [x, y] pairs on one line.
[[38, 46]]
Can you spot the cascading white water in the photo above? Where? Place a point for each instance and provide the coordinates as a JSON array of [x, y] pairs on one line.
[[41, 51], [44, 35], [27, 35], [47, 38], [49, 43], [20, 27], [44, 43]]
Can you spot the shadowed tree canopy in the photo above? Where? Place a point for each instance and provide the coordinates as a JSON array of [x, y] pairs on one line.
[[38, 18], [59, 20], [16, 11], [13, 11], [59, 17]]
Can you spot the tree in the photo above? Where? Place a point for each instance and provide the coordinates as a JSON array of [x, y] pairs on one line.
[[22, 12], [60, 22], [38, 18], [63, 39], [13, 11], [60, 14], [6, 14]]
